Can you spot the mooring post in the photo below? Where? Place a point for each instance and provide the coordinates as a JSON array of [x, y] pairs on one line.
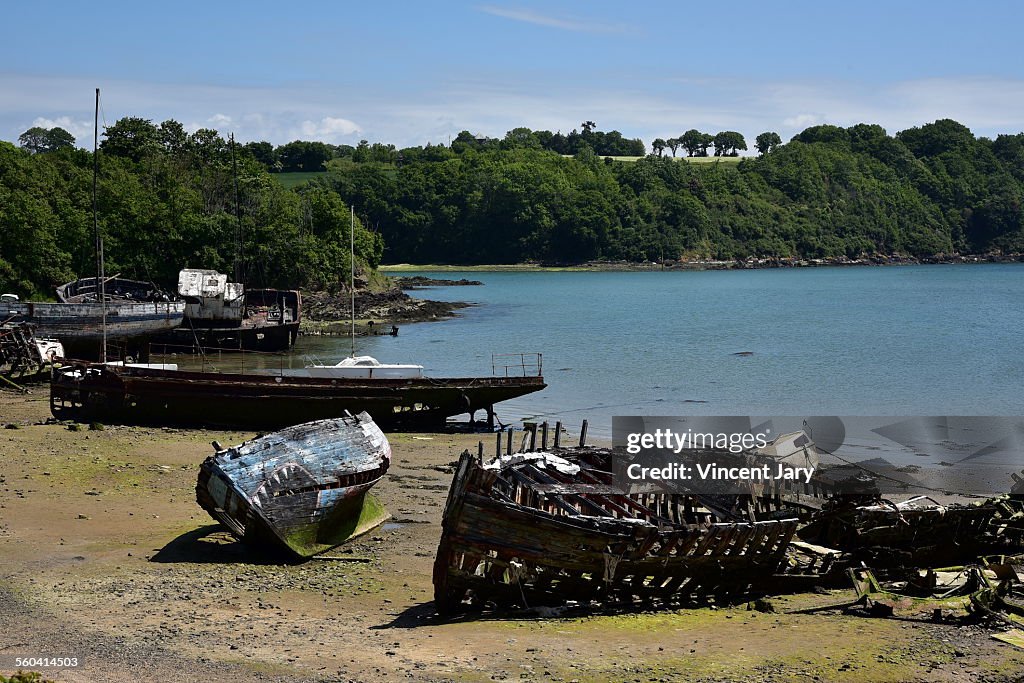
[[508, 446], [583, 434], [490, 417], [480, 452], [497, 447], [544, 436], [533, 436], [558, 433]]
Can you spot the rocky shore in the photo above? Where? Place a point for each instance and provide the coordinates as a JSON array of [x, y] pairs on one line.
[[421, 281], [376, 311]]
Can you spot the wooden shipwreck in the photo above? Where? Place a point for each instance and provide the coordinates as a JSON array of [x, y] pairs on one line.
[[23, 355], [539, 528], [82, 327], [302, 490], [550, 528], [135, 395]]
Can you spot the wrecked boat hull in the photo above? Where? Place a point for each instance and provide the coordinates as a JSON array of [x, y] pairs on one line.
[[80, 327], [520, 535], [302, 490], [94, 392]]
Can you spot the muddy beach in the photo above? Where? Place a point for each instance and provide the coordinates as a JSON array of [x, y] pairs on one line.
[[105, 556]]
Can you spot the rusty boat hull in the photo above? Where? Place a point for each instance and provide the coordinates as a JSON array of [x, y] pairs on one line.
[[131, 395], [302, 490]]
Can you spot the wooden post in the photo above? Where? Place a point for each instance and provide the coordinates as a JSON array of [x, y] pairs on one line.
[[583, 434], [558, 433], [544, 436], [490, 418], [533, 436], [480, 452], [497, 448], [508, 446]]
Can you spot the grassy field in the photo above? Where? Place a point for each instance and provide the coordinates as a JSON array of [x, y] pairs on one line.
[[725, 161], [290, 180]]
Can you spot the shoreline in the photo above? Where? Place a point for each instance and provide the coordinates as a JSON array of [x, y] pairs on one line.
[[748, 264]]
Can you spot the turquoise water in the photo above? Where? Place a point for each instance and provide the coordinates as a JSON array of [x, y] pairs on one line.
[[914, 340]]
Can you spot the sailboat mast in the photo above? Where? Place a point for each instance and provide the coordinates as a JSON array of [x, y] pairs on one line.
[[238, 215], [101, 285], [352, 273], [95, 174]]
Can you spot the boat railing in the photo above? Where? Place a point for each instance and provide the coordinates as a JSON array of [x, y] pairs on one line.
[[517, 364], [218, 359]]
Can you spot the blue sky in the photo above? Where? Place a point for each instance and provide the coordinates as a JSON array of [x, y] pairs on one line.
[[415, 72]]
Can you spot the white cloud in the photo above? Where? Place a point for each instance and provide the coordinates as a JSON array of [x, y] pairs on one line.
[[327, 129], [82, 130], [566, 24], [498, 102], [801, 120], [219, 120]]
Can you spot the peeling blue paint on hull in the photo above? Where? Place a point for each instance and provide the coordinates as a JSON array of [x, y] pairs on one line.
[[302, 490]]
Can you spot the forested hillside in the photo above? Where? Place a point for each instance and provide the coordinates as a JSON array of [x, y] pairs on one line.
[[166, 201], [828, 192]]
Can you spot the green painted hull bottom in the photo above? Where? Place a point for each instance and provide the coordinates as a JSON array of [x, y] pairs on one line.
[[345, 522]]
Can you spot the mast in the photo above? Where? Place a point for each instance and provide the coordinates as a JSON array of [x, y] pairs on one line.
[[101, 285], [352, 273], [238, 215]]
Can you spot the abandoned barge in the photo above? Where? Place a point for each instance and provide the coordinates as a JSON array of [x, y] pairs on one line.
[[302, 490], [136, 395]]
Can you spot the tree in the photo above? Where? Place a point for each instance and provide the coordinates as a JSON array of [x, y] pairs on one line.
[[522, 137], [38, 140], [172, 136], [658, 146], [673, 144], [728, 143], [588, 126], [264, 153], [131, 137], [300, 155], [767, 141], [933, 139], [695, 143]]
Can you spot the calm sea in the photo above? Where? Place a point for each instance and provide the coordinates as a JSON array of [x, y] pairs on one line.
[[915, 340]]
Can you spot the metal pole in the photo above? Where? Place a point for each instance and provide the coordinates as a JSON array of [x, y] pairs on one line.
[[103, 298], [352, 274], [101, 286], [238, 215]]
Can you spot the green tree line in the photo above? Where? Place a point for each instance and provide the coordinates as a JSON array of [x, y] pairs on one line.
[[829, 192], [166, 201]]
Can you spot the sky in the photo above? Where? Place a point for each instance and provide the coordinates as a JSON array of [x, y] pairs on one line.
[[409, 73]]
